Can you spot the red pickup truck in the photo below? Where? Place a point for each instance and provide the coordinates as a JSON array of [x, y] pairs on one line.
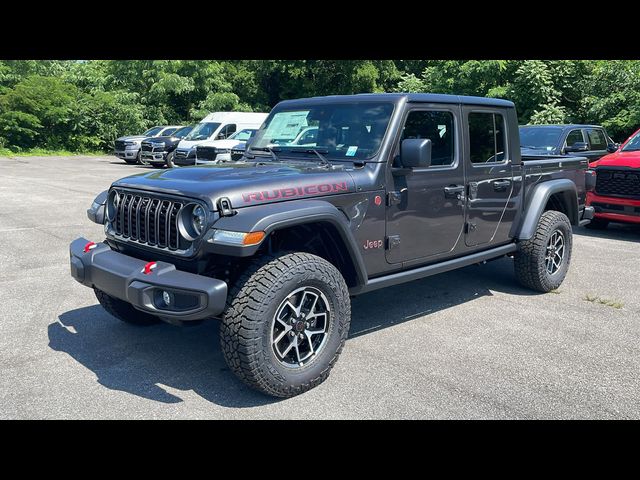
[[617, 192]]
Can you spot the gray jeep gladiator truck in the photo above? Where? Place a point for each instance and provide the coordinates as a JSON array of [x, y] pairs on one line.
[[396, 187]]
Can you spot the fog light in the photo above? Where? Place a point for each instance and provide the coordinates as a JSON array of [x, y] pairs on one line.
[[167, 298]]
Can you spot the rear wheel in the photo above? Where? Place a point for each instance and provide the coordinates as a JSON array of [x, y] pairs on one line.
[[542, 262], [286, 322], [597, 224], [124, 311]]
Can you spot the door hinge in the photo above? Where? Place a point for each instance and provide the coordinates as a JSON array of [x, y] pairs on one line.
[[394, 198], [393, 241]]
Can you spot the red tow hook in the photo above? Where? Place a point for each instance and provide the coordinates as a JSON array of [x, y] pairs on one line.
[[89, 246], [149, 267]]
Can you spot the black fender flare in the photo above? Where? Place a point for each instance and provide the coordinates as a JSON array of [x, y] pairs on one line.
[[537, 199], [276, 216]]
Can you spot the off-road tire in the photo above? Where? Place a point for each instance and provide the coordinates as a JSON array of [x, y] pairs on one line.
[[245, 331], [529, 260], [124, 311], [170, 156], [597, 224]]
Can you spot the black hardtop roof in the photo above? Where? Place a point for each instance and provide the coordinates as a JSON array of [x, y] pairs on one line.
[[410, 97], [563, 125]]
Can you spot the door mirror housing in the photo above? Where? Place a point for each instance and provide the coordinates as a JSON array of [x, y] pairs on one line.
[[415, 153], [221, 136], [612, 147], [577, 147]]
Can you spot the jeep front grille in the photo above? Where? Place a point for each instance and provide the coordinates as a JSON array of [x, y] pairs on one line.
[[149, 221], [618, 183]]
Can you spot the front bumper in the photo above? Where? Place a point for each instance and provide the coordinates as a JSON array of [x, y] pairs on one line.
[[127, 154], [153, 157], [195, 297], [615, 209]]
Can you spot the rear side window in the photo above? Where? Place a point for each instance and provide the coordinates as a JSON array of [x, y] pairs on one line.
[[597, 140], [486, 137], [227, 130], [574, 136], [436, 126]]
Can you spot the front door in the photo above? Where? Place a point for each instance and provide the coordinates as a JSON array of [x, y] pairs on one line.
[[490, 210], [425, 213]]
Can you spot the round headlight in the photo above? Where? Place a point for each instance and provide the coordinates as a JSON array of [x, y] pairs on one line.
[[113, 200], [198, 219]]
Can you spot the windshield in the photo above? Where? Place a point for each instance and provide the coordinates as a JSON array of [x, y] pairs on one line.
[[342, 131], [633, 144], [202, 131], [540, 138], [183, 132], [152, 132], [242, 135]]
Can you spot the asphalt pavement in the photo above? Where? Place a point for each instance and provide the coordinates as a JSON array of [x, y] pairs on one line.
[[462, 345]]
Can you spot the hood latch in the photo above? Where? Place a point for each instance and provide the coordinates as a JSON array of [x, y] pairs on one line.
[[224, 207]]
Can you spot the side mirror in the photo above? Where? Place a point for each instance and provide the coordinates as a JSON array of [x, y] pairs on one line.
[[415, 153], [612, 147], [221, 136], [577, 147]]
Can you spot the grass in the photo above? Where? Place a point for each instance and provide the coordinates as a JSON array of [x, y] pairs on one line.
[[603, 301], [41, 152]]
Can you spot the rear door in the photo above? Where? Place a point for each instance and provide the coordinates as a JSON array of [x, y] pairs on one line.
[[425, 212], [489, 176], [597, 140]]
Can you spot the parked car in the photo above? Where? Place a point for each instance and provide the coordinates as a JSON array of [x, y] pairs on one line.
[[159, 151], [128, 148], [617, 191], [218, 151], [590, 141], [215, 126], [398, 187]]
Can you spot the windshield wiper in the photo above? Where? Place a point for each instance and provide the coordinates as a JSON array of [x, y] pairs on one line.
[[267, 149], [323, 159]]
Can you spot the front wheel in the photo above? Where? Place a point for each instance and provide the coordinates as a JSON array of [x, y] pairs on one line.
[[285, 324], [542, 262], [170, 156]]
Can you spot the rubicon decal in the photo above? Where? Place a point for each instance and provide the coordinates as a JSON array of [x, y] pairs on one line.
[[293, 192]]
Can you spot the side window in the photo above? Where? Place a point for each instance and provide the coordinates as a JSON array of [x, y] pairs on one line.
[[226, 131], [597, 140], [436, 126], [486, 137], [168, 131], [574, 136]]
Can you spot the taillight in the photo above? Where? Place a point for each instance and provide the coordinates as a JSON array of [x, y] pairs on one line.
[[590, 180]]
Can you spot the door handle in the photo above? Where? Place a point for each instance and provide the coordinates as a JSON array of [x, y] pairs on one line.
[[501, 185], [454, 191]]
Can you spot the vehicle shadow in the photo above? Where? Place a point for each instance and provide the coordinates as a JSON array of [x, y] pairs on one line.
[[614, 231], [148, 362]]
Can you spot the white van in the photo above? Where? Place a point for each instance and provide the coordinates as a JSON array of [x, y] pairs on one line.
[[215, 126]]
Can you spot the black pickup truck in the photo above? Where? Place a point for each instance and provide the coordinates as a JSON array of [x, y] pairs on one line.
[[394, 188], [159, 151]]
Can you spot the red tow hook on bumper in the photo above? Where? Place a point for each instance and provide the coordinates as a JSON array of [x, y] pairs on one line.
[[89, 246], [149, 267]]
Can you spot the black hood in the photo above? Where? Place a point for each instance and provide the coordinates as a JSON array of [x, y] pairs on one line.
[[245, 184]]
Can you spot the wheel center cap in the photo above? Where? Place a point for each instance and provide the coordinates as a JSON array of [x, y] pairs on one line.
[[298, 327]]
